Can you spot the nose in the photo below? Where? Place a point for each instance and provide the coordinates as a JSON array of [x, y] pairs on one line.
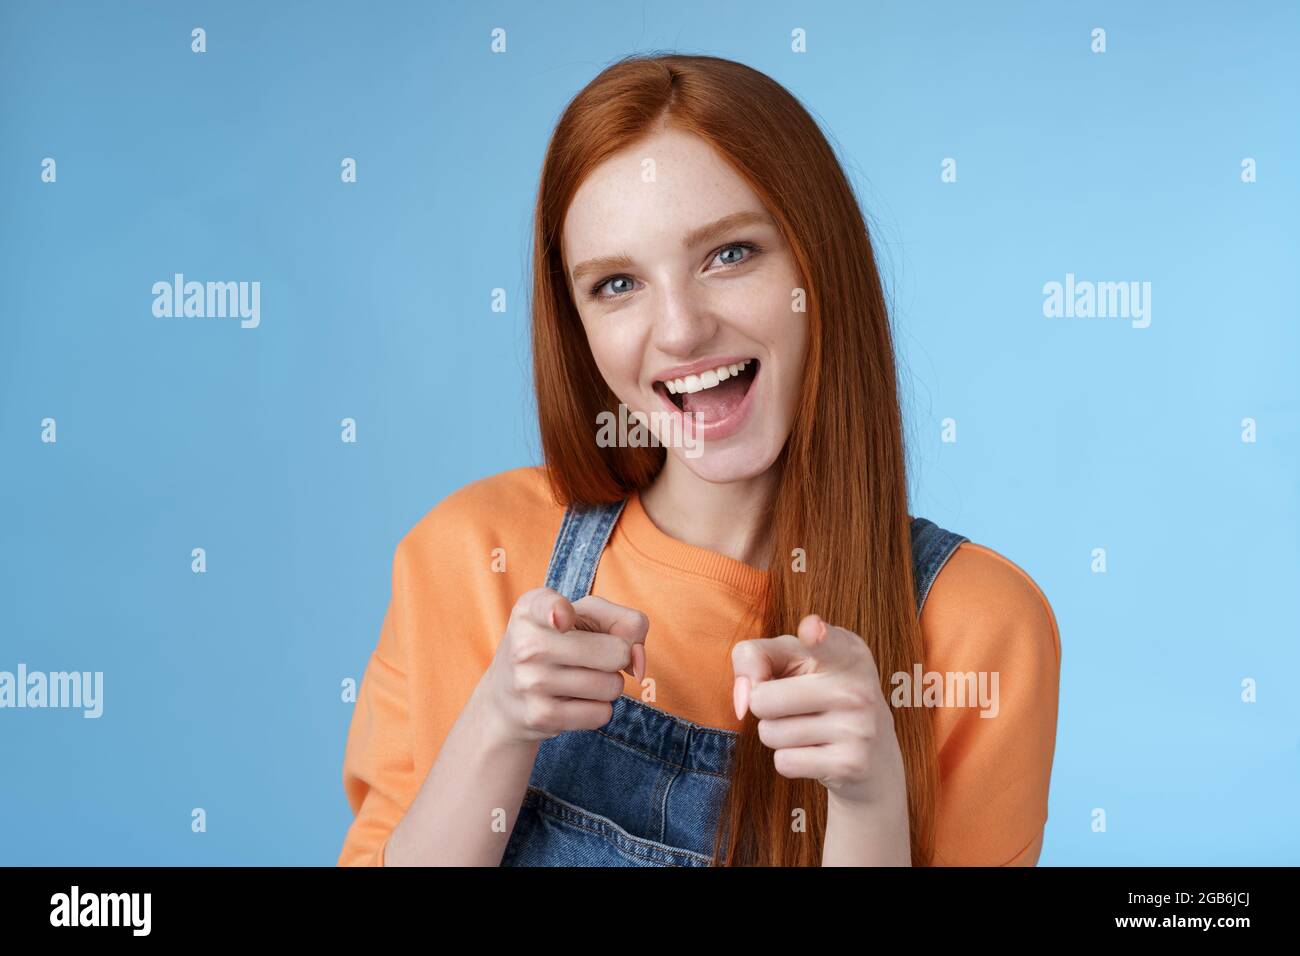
[[684, 323]]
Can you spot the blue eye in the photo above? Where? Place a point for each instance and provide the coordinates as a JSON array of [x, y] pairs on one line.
[[595, 290], [747, 246]]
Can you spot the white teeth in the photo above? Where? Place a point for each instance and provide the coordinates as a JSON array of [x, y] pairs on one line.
[[696, 383]]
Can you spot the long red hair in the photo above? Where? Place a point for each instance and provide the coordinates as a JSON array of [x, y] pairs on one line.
[[842, 495]]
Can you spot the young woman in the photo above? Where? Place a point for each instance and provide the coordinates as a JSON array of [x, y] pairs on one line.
[[739, 649]]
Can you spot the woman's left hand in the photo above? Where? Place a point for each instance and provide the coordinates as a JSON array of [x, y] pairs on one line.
[[820, 707]]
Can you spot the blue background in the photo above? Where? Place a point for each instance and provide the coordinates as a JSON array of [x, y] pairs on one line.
[[222, 690]]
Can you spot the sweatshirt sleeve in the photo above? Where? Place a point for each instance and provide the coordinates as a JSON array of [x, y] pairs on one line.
[[987, 615], [378, 765], [449, 605]]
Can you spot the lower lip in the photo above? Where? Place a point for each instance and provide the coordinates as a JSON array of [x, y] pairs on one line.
[[723, 428]]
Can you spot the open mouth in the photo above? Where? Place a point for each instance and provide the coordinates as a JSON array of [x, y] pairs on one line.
[[713, 394]]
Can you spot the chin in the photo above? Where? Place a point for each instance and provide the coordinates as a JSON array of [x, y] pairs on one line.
[[719, 465]]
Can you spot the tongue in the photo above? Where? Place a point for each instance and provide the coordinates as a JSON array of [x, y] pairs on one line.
[[715, 404]]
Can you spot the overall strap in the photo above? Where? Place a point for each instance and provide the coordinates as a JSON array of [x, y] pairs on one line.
[[932, 546], [578, 546]]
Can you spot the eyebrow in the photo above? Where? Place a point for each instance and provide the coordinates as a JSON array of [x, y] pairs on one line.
[[696, 237]]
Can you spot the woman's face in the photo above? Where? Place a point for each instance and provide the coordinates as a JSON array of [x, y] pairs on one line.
[[695, 282]]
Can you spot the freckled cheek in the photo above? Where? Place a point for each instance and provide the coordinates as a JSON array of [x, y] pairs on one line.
[[764, 309], [618, 356], [780, 330]]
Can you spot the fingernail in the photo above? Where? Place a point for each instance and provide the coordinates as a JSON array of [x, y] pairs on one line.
[[740, 696], [554, 623], [638, 662]]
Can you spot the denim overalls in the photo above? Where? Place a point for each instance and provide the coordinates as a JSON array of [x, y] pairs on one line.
[[645, 789]]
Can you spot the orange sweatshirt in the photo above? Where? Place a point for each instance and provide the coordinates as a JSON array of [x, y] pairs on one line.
[[449, 609]]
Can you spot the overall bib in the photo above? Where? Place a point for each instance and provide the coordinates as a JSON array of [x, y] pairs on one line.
[[645, 789]]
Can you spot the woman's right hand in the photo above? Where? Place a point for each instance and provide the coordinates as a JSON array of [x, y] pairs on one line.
[[558, 665]]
